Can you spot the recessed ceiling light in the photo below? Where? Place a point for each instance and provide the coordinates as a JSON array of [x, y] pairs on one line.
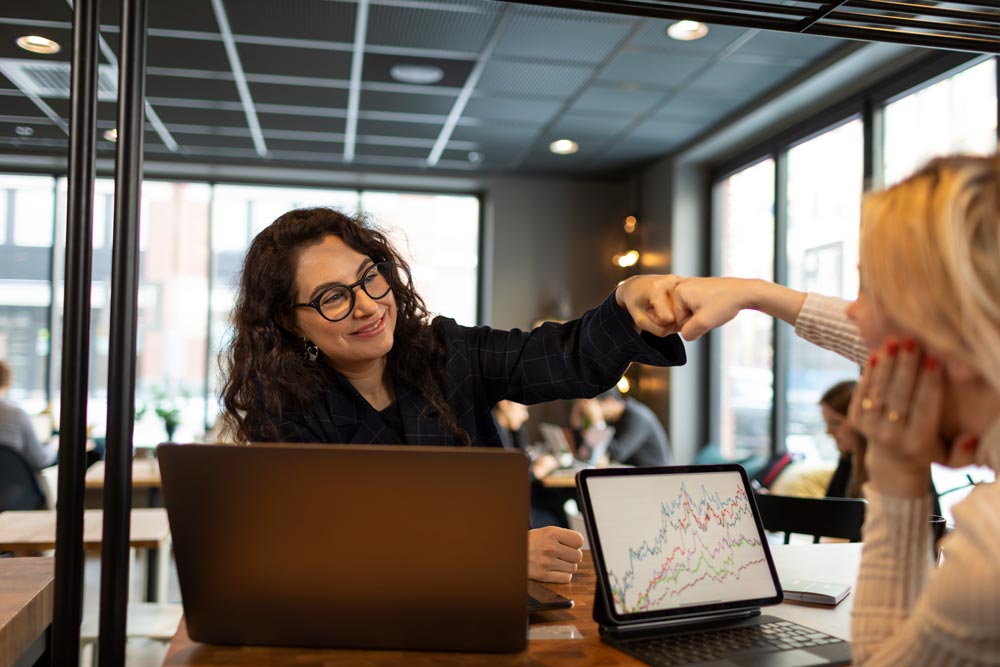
[[475, 157], [419, 74], [38, 44], [687, 30], [24, 131], [564, 147], [112, 134]]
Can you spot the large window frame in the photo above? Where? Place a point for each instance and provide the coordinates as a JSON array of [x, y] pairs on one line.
[[868, 105]]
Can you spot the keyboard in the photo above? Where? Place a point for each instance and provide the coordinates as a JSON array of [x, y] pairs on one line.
[[708, 645]]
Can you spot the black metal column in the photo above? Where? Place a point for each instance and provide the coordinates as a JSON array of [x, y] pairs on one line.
[[121, 362], [76, 337]]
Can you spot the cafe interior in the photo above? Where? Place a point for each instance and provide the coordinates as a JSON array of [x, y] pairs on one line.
[[527, 156]]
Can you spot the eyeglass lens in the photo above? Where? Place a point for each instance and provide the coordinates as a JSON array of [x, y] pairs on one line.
[[337, 302]]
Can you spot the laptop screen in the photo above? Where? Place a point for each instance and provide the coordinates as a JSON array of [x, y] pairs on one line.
[[677, 541]]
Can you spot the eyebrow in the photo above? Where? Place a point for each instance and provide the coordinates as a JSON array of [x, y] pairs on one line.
[[325, 286]]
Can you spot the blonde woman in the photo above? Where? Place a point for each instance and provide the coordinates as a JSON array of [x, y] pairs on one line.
[[928, 313]]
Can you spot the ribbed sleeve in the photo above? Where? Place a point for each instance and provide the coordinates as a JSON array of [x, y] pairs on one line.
[[906, 612], [823, 321]]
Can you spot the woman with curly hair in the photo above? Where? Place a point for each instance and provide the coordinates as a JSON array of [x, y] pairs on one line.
[[332, 344]]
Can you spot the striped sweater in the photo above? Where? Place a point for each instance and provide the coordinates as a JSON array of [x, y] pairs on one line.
[[906, 613]]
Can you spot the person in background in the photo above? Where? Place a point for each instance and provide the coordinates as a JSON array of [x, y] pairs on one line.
[[16, 429], [333, 344], [639, 438], [546, 503], [928, 312], [850, 474]]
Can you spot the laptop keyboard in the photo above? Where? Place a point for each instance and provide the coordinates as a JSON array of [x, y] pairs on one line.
[[704, 646]]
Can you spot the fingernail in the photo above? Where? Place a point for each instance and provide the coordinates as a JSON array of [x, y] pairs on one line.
[[930, 363], [892, 347], [872, 360], [909, 345], [970, 444]]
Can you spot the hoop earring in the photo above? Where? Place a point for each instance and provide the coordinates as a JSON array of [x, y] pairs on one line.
[[309, 351]]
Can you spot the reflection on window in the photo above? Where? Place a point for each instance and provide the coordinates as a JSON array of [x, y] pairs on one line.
[[439, 236], [824, 203], [744, 223], [957, 115]]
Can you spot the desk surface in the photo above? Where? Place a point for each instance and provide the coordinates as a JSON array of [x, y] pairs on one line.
[[145, 474], [827, 562], [26, 595], [36, 531]]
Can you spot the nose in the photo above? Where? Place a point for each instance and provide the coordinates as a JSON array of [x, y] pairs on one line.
[[364, 305]]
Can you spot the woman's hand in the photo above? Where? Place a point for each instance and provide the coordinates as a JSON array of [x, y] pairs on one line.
[[647, 300], [703, 304], [897, 405], [553, 554]]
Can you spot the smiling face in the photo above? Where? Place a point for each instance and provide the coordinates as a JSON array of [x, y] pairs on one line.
[[359, 342]]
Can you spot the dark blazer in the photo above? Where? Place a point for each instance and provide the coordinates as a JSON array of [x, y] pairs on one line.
[[578, 359]]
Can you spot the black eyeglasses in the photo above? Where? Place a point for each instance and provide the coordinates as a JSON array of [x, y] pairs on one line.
[[337, 301]]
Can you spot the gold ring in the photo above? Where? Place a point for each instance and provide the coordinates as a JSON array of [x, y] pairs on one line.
[[893, 416], [867, 404]]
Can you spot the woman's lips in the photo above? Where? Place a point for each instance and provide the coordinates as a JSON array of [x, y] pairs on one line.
[[372, 330]]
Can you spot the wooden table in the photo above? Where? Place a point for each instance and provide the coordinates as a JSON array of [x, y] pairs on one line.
[[26, 599], [146, 483], [30, 532], [827, 562]]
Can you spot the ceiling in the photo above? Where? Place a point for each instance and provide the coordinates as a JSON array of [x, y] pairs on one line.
[[310, 83]]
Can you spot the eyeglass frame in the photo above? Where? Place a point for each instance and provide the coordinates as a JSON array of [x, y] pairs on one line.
[[314, 304]]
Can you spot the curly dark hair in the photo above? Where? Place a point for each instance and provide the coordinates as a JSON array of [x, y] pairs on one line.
[[265, 373]]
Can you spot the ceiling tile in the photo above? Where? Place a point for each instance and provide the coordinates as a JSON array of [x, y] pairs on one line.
[[304, 146], [580, 128], [393, 129], [191, 88], [186, 54], [295, 19], [305, 96], [390, 25], [691, 105], [215, 141], [368, 150], [373, 100], [319, 63], [521, 110], [529, 35], [664, 133], [646, 67], [503, 135], [617, 99], [729, 75], [787, 45], [194, 15], [275, 121], [201, 116], [500, 76]]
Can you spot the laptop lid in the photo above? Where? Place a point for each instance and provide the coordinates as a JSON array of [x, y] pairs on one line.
[[673, 543], [350, 546]]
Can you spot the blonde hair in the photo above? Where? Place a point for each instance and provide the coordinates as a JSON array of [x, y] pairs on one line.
[[930, 253]]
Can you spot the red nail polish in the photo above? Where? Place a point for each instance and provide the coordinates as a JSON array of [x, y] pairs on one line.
[[930, 363], [872, 360], [970, 444], [892, 348], [909, 345]]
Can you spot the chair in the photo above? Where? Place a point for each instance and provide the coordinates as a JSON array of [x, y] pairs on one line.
[[819, 517], [19, 487]]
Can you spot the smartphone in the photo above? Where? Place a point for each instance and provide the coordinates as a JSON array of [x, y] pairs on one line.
[[541, 598]]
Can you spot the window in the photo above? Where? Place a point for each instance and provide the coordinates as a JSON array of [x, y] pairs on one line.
[[439, 235], [823, 208], [957, 115], [744, 225]]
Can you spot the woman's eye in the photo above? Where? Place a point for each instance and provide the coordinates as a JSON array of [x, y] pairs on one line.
[[332, 297]]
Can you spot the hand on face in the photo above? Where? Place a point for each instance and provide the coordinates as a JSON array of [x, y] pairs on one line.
[[898, 405], [553, 554]]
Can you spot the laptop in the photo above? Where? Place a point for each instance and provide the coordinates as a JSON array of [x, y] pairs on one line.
[[386, 547], [562, 445], [683, 568]]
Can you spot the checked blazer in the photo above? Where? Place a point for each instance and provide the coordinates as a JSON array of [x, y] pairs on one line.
[[578, 359]]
